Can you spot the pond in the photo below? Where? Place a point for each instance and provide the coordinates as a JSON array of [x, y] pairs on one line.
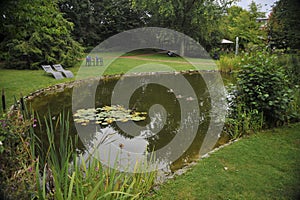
[[157, 118]]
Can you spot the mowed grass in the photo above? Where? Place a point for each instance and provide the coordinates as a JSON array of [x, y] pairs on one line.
[[17, 82], [263, 166], [152, 62]]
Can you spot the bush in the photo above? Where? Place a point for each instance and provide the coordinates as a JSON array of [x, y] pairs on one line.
[[264, 86], [241, 120]]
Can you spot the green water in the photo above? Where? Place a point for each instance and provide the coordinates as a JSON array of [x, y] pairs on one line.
[[159, 128]]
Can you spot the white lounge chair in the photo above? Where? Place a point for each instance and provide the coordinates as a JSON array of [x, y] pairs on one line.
[[67, 73], [48, 69]]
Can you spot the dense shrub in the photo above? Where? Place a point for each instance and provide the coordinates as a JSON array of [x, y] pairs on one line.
[[264, 86], [266, 93]]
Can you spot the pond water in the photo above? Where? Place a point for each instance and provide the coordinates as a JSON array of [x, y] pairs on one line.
[[165, 119]]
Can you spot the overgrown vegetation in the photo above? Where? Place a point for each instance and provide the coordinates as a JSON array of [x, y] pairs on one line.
[[17, 178], [266, 94], [29, 170], [228, 64]]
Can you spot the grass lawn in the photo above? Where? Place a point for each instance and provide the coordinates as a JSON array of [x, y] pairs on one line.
[[263, 166], [15, 82]]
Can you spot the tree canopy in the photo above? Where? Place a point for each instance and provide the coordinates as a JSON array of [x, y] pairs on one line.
[[238, 22], [197, 19], [34, 32], [284, 26], [96, 20]]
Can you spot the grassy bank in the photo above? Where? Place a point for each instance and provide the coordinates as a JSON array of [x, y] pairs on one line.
[[263, 166]]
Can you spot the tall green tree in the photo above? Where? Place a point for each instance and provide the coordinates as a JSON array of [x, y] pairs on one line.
[[284, 26], [238, 22], [197, 19], [96, 20], [34, 32]]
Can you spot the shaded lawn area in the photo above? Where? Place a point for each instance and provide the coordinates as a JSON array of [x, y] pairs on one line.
[[26, 81], [15, 82], [263, 166]]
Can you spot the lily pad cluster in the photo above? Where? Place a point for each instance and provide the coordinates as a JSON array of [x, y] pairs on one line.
[[107, 115]]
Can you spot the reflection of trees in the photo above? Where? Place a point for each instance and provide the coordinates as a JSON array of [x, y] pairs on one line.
[[162, 96]]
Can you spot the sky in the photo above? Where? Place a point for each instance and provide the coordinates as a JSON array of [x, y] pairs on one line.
[[266, 4]]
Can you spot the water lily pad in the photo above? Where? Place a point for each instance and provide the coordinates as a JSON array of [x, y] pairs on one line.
[[137, 118], [109, 120], [107, 115], [81, 120]]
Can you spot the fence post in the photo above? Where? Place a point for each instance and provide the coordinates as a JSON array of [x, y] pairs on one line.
[[3, 101], [22, 102]]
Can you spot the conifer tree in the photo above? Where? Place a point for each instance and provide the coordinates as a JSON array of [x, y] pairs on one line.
[[34, 32]]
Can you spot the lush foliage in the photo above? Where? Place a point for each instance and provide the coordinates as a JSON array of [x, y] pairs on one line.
[[31, 169], [96, 20], [264, 86], [266, 93], [241, 121], [35, 33], [243, 24], [197, 19], [283, 26]]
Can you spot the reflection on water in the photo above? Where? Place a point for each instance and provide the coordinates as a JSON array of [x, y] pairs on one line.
[[167, 129]]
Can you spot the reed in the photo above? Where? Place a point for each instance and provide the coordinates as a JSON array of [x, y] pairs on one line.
[[65, 174], [228, 64]]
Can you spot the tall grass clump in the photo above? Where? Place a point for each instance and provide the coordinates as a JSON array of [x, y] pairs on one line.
[[17, 163], [228, 63], [65, 174]]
